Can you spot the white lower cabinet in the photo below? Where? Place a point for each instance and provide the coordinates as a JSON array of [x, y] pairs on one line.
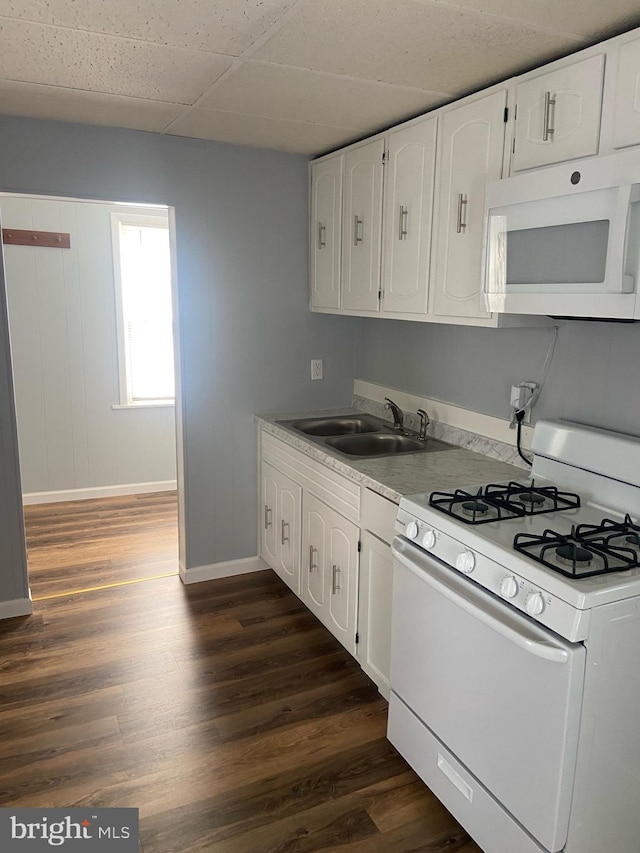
[[374, 597], [310, 521], [280, 539], [330, 570], [374, 615]]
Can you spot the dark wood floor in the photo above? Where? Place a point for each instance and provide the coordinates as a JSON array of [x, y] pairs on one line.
[[224, 711]]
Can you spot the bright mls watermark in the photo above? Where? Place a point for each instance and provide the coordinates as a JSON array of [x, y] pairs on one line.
[[80, 830]]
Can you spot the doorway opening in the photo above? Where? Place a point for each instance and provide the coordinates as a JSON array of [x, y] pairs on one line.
[[94, 329]]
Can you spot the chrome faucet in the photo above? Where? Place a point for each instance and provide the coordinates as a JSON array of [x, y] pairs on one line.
[[398, 416], [424, 423]]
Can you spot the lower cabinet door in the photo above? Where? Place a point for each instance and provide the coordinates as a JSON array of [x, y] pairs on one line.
[[374, 610], [280, 524], [330, 574], [269, 509]]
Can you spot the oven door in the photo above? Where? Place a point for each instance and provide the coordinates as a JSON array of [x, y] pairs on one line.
[[500, 692]]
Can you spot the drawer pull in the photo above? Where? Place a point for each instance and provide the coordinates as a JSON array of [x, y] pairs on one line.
[[455, 778], [267, 517], [312, 566]]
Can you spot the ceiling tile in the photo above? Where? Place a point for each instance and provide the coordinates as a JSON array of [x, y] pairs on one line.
[[34, 53], [220, 26], [430, 46], [597, 20], [51, 102], [294, 136], [280, 91]]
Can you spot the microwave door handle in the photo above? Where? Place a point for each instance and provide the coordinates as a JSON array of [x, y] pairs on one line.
[[460, 592], [617, 274]]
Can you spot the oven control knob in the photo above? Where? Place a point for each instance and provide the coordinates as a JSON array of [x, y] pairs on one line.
[[466, 562], [509, 587], [534, 604], [429, 539], [411, 530]]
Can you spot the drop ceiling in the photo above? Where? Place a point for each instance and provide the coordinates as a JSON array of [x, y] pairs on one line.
[[304, 76]]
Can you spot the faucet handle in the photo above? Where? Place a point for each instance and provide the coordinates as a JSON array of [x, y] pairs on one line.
[[424, 422]]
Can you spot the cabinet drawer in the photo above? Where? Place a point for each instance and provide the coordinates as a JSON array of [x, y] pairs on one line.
[[378, 515]]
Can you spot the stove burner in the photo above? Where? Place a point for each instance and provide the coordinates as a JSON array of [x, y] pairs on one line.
[[531, 498], [474, 508], [573, 555]]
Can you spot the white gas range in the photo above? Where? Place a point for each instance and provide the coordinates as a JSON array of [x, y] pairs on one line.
[[515, 645]]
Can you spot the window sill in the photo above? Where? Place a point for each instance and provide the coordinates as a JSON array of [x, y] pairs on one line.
[[117, 406]]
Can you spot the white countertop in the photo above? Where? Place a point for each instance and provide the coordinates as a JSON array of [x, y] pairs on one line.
[[402, 474]]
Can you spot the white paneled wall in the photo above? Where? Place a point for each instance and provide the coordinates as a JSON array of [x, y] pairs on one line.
[[63, 336]]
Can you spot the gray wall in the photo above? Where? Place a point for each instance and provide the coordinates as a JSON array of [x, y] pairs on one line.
[[594, 376], [62, 318], [247, 336], [13, 574]]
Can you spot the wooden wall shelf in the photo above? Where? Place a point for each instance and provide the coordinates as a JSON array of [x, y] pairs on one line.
[[48, 239]]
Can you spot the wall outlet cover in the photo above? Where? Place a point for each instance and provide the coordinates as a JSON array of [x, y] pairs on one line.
[[317, 368]]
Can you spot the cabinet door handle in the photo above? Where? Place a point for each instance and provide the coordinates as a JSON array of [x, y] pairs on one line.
[[549, 105], [462, 213], [322, 235], [358, 230], [312, 566], [403, 222], [335, 586], [267, 517], [284, 524]]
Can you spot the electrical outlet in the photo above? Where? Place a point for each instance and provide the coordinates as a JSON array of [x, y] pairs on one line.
[[317, 368], [520, 398]]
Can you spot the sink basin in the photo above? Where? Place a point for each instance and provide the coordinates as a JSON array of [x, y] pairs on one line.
[[381, 444], [341, 425]]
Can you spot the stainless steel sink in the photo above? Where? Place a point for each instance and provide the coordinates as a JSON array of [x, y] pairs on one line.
[[375, 444], [342, 425], [384, 444], [361, 436]]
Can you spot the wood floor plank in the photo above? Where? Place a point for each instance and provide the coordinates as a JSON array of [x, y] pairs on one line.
[[223, 711]]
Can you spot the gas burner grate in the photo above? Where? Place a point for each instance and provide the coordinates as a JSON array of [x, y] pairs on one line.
[[472, 508], [533, 499], [587, 551], [498, 502]]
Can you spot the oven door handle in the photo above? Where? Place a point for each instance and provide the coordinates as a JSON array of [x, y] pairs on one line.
[[462, 592]]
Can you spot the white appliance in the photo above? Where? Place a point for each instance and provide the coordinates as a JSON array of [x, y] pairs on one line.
[[564, 241], [515, 652]]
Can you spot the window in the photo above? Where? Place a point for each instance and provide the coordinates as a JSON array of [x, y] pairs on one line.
[[142, 268]]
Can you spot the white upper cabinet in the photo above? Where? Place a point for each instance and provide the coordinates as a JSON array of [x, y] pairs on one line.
[[470, 152], [558, 114], [324, 238], [361, 227], [408, 205], [625, 96]]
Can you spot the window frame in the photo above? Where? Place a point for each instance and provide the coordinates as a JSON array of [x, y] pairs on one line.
[[151, 220]]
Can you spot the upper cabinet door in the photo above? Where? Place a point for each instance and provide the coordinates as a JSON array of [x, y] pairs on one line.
[[626, 97], [407, 217], [324, 238], [469, 154], [361, 227], [558, 114]]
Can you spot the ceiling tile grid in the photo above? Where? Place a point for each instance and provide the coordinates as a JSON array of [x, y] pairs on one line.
[[294, 75]]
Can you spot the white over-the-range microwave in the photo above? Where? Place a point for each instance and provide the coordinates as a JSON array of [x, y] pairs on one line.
[[565, 241]]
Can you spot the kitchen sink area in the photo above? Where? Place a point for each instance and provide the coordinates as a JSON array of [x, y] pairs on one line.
[[362, 436]]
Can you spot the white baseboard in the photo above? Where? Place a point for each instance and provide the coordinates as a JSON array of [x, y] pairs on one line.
[[15, 607], [222, 570], [455, 416], [98, 492]]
